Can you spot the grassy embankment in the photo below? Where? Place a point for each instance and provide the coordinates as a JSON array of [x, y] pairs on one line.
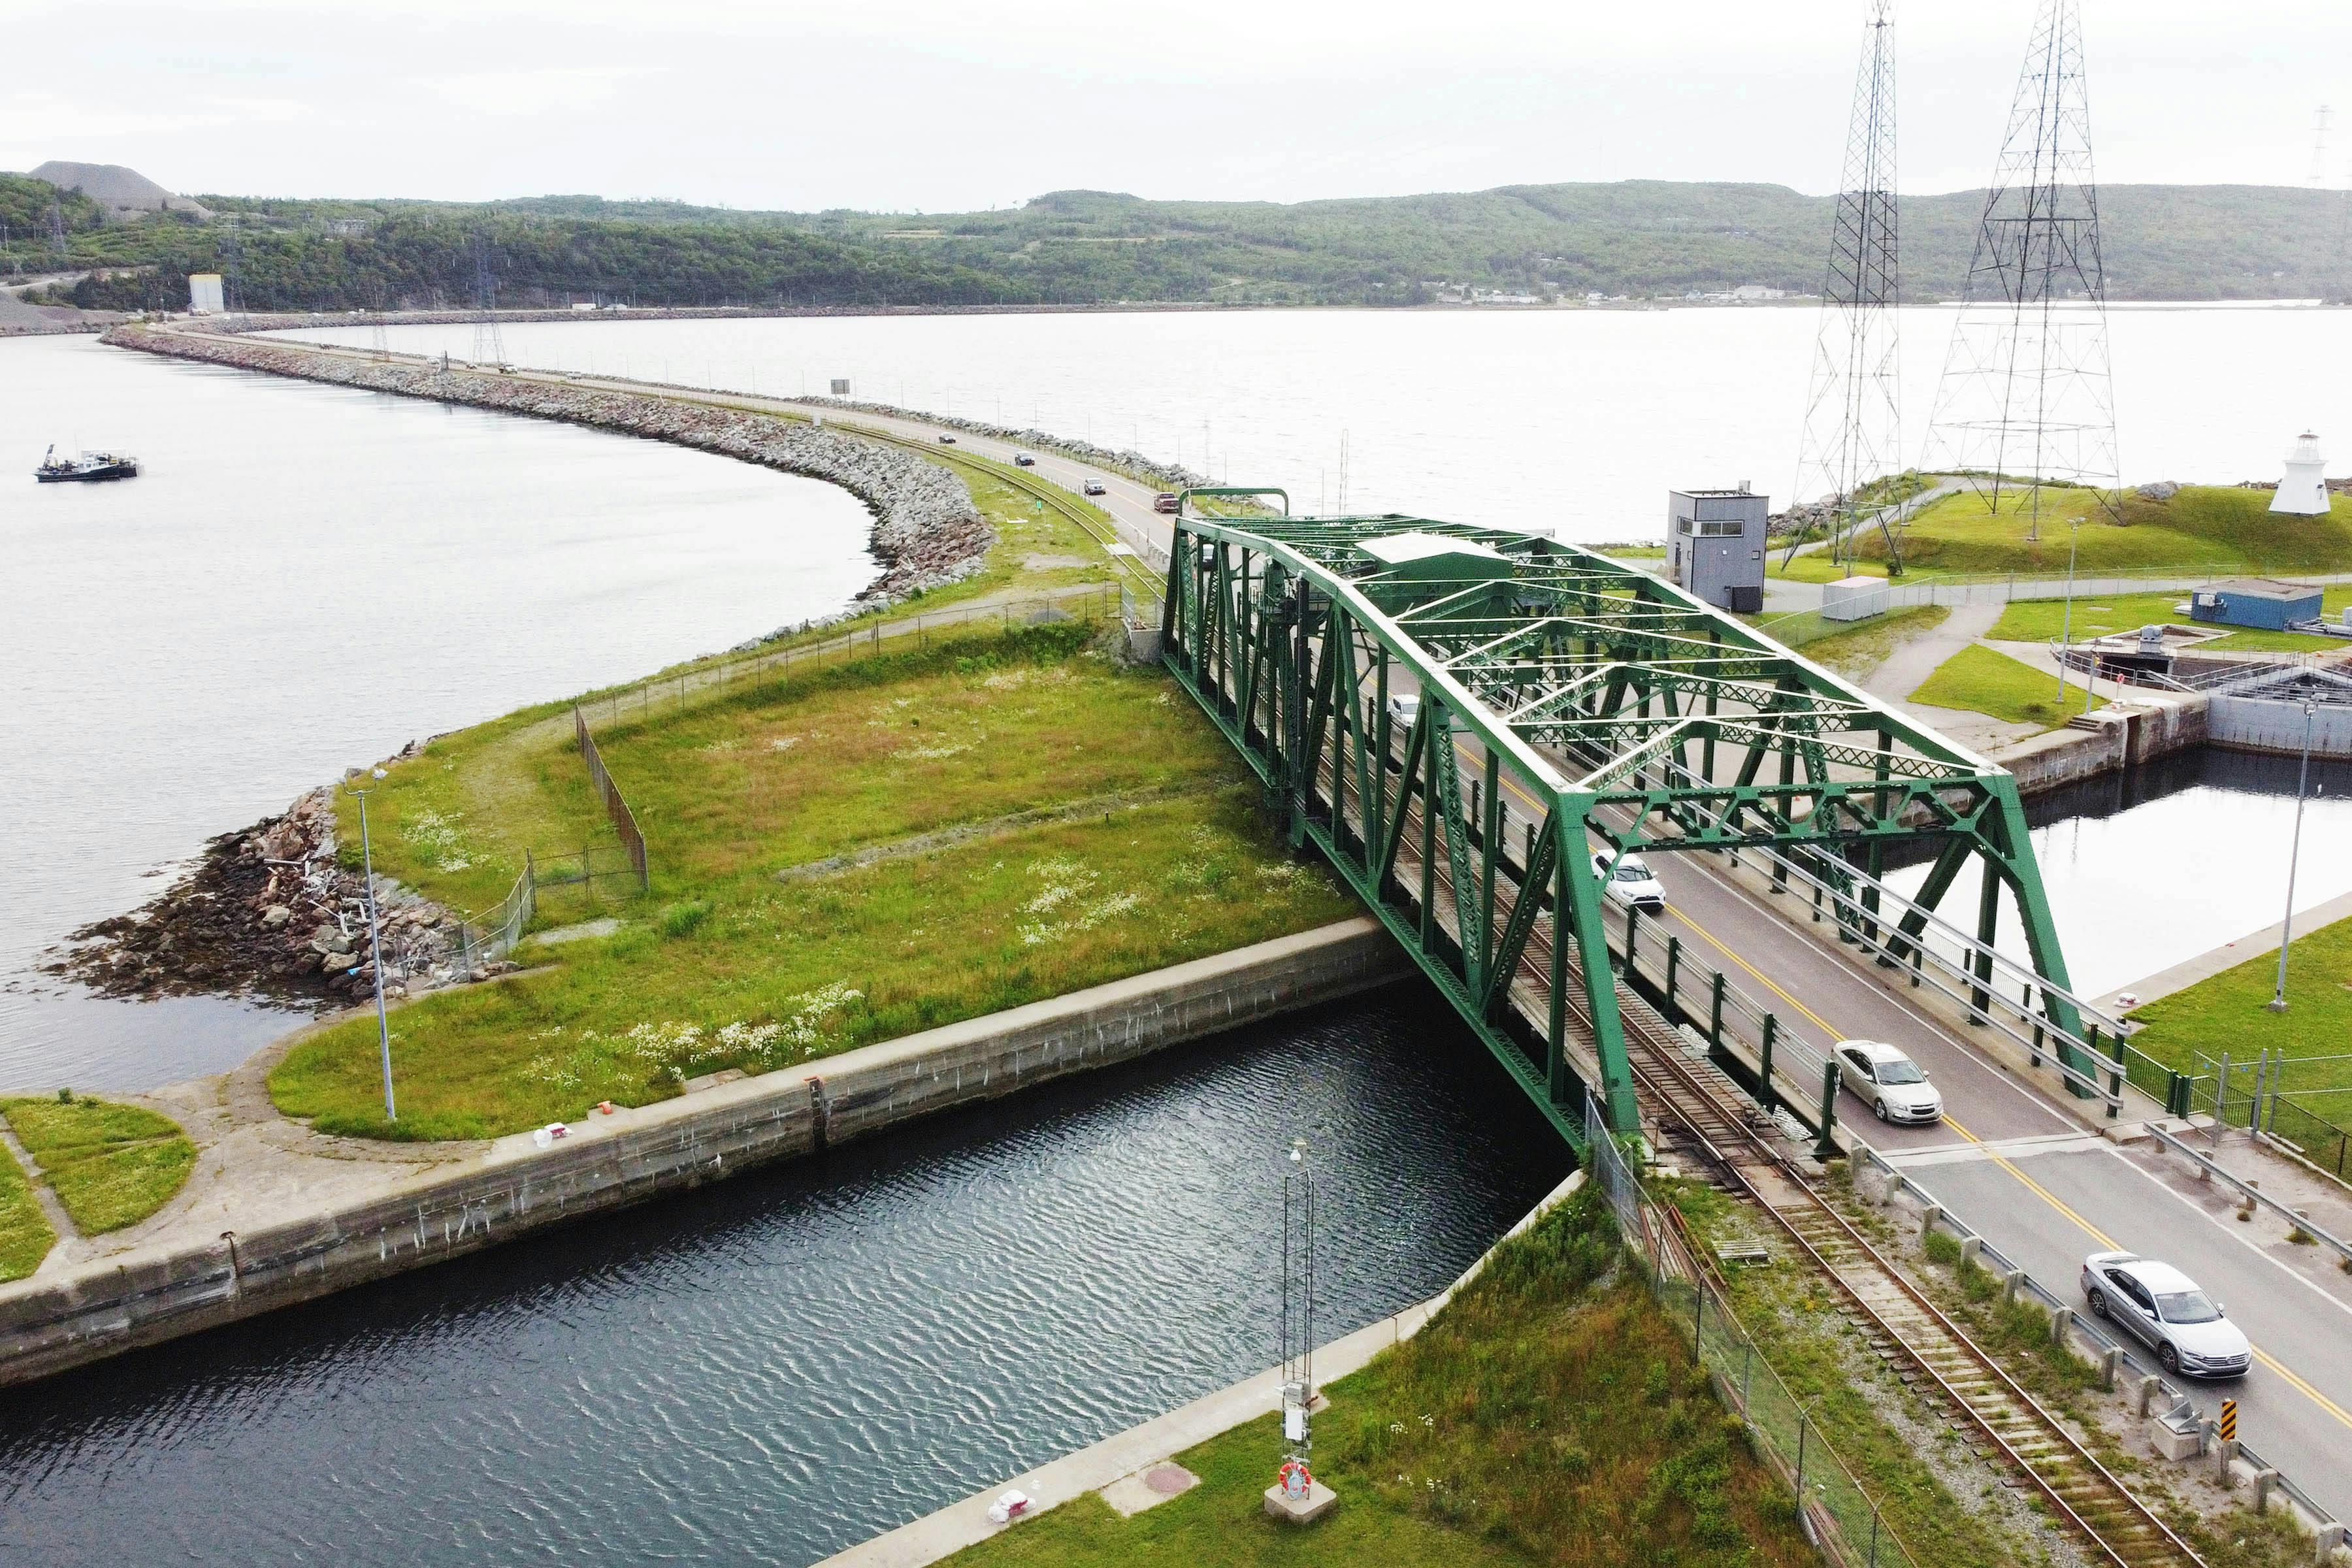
[[110, 1165], [2227, 1014], [1549, 1415], [2203, 528], [2046, 620], [1979, 680], [1052, 819], [1855, 653], [24, 1233]]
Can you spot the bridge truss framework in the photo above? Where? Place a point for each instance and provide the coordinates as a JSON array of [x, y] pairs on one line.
[[1569, 708]]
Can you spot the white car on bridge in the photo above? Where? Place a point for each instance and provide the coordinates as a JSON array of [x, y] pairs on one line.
[[1890, 1083], [1629, 879], [2157, 1303]]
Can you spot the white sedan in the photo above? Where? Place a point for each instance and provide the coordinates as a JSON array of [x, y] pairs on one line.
[[1629, 879], [2157, 1302], [1889, 1082]]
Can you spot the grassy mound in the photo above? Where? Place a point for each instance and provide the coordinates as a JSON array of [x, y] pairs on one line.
[[110, 1165], [2046, 620], [24, 1233], [922, 836], [2201, 528], [1549, 1415], [1977, 680]]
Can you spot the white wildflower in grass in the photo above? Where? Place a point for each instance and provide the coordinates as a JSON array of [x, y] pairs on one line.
[[932, 754], [723, 744], [1287, 875], [436, 838], [1067, 904], [783, 742]]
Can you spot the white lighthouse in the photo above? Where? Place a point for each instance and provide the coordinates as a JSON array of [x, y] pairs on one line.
[[2303, 491]]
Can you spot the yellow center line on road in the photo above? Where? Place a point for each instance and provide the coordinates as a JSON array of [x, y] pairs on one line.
[[1834, 1034], [2036, 1188]]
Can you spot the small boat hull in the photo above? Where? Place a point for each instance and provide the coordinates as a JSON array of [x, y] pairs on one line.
[[87, 473]]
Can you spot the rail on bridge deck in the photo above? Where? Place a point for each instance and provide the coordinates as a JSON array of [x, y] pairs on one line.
[[1473, 723]]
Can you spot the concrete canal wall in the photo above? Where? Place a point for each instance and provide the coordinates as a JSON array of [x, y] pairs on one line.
[[49, 1324], [2118, 737]]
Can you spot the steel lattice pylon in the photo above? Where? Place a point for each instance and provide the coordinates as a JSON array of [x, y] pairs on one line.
[[1563, 704], [489, 348], [1854, 422], [2027, 380]]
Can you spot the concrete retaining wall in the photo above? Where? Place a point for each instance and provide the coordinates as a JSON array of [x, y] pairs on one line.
[[2252, 724], [2124, 736], [48, 1326]]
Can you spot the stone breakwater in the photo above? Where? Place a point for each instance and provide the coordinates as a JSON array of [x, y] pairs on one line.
[[1133, 464], [271, 911], [927, 531]]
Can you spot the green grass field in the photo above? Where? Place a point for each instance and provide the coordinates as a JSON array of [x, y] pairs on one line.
[[1855, 653], [2228, 1013], [726, 964], [2044, 620], [2202, 528], [1977, 680], [1549, 1415], [24, 1233], [110, 1165]]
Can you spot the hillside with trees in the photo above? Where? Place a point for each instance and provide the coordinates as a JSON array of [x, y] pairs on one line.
[[1645, 239]]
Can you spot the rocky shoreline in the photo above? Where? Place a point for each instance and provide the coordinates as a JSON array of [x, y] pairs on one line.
[[269, 911], [927, 531]]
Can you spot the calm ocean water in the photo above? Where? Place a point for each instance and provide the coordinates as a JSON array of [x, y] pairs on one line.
[[1574, 420], [302, 579]]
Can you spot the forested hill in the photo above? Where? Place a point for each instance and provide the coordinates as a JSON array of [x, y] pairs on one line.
[[1641, 238]]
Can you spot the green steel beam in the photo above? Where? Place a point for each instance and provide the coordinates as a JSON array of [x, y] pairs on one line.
[[1585, 700]]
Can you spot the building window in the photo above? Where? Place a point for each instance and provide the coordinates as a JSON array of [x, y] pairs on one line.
[[1729, 530]]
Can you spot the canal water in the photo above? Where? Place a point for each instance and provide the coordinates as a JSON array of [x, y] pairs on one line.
[[302, 579], [771, 1369], [2148, 869]]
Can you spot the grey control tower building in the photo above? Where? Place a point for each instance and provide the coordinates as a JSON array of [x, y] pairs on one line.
[[1715, 546]]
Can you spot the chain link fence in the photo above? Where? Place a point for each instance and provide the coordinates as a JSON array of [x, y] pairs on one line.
[[1839, 1515]]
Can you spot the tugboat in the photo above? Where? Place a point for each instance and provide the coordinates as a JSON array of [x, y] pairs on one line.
[[89, 468]]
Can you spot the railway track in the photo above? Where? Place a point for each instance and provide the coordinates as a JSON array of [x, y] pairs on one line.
[[2015, 1431], [1717, 1124]]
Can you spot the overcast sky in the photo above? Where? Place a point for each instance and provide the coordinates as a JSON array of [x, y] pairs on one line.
[[943, 105]]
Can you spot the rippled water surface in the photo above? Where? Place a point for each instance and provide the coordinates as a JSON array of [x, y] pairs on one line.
[[771, 1369], [302, 579]]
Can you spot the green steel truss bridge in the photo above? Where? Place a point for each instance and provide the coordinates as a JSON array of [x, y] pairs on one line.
[[1471, 724]]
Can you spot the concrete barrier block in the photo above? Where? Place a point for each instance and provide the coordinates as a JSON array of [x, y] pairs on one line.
[[2171, 1442]]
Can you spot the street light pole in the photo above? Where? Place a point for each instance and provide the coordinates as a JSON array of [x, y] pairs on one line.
[[2066, 628], [375, 952], [2286, 926]]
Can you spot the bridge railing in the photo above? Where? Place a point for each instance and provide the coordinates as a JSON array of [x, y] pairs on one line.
[[1848, 1523]]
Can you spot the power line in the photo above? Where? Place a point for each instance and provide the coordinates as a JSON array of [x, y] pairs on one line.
[[1853, 421], [2028, 378]]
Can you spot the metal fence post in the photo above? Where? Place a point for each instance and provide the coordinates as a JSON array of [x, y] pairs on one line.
[[1715, 1014], [1764, 1063], [1673, 964], [1825, 1147], [1800, 1458]]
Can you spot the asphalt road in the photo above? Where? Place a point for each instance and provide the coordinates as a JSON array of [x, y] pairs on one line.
[[2046, 1190]]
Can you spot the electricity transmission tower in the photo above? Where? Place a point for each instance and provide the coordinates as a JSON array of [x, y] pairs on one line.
[[489, 347], [2319, 144], [2027, 379], [1854, 422], [58, 229]]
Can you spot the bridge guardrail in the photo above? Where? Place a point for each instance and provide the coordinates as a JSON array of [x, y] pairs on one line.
[[2178, 1404], [2207, 1171]]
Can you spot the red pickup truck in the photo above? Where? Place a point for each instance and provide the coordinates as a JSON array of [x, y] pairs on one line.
[[1164, 501]]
